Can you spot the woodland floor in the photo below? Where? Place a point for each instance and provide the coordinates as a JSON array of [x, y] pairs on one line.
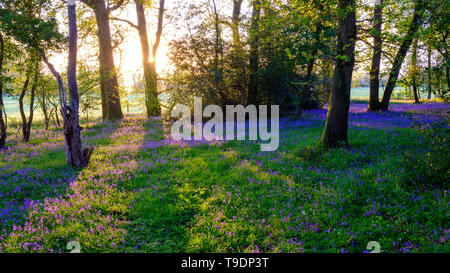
[[146, 193]]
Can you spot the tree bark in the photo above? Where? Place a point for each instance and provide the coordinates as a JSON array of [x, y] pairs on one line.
[[111, 107], [398, 61], [374, 98], [76, 156], [3, 122], [336, 126], [254, 53]]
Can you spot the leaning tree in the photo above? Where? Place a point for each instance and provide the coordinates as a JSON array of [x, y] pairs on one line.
[[416, 22]]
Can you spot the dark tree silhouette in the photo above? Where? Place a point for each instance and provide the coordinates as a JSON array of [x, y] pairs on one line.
[[254, 53], [3, 117], [335, 131], [374, 98]]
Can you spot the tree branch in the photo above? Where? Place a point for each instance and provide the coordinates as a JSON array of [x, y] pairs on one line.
[[125, 21], [116, 6], [159, 29]]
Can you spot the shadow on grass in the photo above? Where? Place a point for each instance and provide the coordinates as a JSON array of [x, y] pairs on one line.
[[31, 172], [22, 187]]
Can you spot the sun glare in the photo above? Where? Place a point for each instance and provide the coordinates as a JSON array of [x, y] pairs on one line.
[[129, 58]]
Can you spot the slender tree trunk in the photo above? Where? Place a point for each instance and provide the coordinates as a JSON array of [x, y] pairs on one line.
[[76, 157], [3, 121], [21, 108], [218, 57], [398, 61], [145, 47], [306, 92], [57, 117], [111, 107], [374, 98], [254, 53], [44, 108], [154, 76], [151, 83], [336, 126], [414, 70], [238, 63], [447, 74], [27, 132], [429, 73], [237, 4]]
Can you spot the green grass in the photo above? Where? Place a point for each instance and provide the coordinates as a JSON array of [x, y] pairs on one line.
[[231, 198]]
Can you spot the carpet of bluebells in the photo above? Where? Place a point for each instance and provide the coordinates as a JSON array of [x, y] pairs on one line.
[[144, 192]]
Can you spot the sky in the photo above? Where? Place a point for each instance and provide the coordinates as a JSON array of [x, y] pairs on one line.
[[130, 59], [129, 56]]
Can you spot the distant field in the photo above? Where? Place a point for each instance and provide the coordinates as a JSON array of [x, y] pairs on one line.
[[12, 105]]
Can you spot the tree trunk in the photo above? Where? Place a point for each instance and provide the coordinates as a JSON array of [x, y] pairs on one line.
[[374, 98], [76, 157], [44, 108], [447, 74], [27, 132], [414, 70], [21, 108], [238, 63], [398, 61], [3, 122], [429, 73], [151, 83], [57, 117], [336, 126], [254, 53], [111, 107], [218, 58], [306, 92]]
